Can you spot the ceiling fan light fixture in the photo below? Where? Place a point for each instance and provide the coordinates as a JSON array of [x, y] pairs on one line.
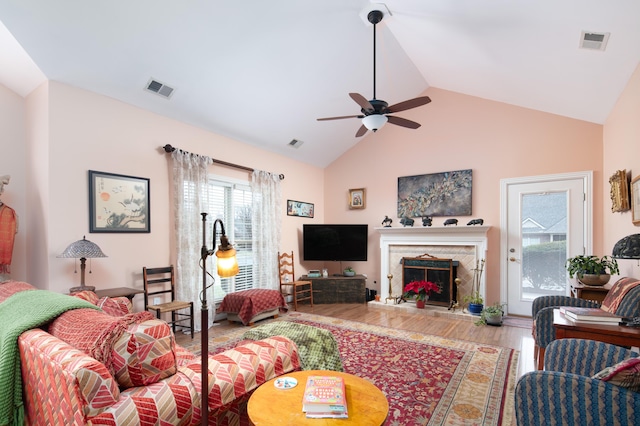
[[374, 122], [374, 110]]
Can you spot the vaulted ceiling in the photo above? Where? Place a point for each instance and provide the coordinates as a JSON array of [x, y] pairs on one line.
[[263, 72]]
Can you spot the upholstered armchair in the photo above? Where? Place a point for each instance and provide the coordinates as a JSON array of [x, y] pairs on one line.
[[622, 300], [566, 394]]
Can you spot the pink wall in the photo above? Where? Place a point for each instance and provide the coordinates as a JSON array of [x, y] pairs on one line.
[[493, 139], [85, 131], [58, 133], [622, 151], [37, 178]]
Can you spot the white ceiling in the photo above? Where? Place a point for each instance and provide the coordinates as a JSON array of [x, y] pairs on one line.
[[262, 72]]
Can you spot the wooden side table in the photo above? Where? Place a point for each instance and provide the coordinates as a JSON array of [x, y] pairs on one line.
[[615, 334], [127, 292], [268, 405], [588, 292]]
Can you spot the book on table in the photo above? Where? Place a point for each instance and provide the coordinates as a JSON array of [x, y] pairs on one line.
[[589, 315], [325, 397]]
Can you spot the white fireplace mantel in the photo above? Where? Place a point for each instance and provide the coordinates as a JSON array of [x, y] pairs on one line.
[[475, 236]]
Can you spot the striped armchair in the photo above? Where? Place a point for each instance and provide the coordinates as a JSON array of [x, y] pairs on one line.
[[623, 300], [565, 394]]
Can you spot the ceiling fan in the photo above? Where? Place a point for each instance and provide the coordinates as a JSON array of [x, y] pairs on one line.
[[374, 112]]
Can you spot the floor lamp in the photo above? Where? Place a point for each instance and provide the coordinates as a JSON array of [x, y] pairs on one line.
[[227, 267]]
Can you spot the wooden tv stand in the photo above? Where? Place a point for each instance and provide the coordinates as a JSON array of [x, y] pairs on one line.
[[338, 289]]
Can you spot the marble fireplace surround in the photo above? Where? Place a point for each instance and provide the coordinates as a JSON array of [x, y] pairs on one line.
[[466, 244]]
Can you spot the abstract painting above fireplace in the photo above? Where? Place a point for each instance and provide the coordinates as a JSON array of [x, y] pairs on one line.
[[436, 194]]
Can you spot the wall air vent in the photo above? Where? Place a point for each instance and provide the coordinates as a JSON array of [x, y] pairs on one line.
[[295, 143], [594, 41], [159, 88]]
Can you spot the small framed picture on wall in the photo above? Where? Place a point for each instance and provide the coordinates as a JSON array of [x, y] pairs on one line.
[[357, 198], [619, 191], [635, 200], [299, 208]]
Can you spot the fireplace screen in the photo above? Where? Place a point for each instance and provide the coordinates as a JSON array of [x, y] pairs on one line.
[[439, 271]]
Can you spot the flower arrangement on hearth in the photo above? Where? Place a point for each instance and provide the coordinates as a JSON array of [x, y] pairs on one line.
[[420, 289]]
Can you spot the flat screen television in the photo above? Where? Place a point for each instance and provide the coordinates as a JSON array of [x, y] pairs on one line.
[[335, 242]]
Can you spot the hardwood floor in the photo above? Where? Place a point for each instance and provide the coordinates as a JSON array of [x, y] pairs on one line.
[[445, 326]]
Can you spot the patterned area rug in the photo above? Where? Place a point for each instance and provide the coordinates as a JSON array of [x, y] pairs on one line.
[[428, 380]]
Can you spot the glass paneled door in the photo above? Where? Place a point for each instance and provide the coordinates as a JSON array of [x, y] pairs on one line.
[[546, 221]]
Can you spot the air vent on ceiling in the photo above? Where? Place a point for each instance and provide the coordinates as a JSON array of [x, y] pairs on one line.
[[159, 88], [594, 41], [295, 143]]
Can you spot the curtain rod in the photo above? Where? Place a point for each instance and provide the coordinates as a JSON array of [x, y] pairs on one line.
[[169, 149]]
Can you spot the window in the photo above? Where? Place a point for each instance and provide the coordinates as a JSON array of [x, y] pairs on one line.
[[231, 202]]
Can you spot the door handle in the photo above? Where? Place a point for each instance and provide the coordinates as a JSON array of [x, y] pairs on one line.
[[513, 259]]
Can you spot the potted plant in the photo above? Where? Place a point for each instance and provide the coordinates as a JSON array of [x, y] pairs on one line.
[[420, 290], [492, 315], [475, 302], [349, 272], [592, 270]]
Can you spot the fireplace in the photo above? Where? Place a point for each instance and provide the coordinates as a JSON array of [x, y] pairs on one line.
[[440, 271], [464, 244]]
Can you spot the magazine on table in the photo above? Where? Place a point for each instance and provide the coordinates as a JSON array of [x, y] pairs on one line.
[[324, 397]]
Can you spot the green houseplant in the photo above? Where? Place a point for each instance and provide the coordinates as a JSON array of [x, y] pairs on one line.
[[492, 315], [474, 302], [475, 298], [592, 270], [349, 271]]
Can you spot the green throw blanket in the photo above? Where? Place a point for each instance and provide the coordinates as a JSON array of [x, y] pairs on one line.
[[21, 312], [317, 348]]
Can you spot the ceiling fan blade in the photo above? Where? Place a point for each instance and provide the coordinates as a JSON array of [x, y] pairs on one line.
[[361, 131], [398, 121], [362, 101], [411, 103], [339, 118]]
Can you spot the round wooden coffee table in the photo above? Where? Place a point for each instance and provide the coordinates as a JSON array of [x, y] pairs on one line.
[[268, 405]]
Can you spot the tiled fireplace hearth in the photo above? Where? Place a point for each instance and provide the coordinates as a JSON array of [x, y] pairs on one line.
[[466, 244]]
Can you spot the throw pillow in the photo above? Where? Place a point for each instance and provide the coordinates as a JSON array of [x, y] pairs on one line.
[[626, 374], [145, 354], [618, 291]]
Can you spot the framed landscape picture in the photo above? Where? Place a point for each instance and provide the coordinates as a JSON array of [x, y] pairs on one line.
[[118, 203]]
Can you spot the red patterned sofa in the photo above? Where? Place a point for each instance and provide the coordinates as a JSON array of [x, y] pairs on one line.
[[140, 376]]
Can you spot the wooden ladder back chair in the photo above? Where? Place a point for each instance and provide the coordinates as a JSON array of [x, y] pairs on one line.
[[161, 281], [289, 286]]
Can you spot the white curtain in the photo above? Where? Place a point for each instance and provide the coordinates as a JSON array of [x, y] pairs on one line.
[[266, 224], [191, 197]]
